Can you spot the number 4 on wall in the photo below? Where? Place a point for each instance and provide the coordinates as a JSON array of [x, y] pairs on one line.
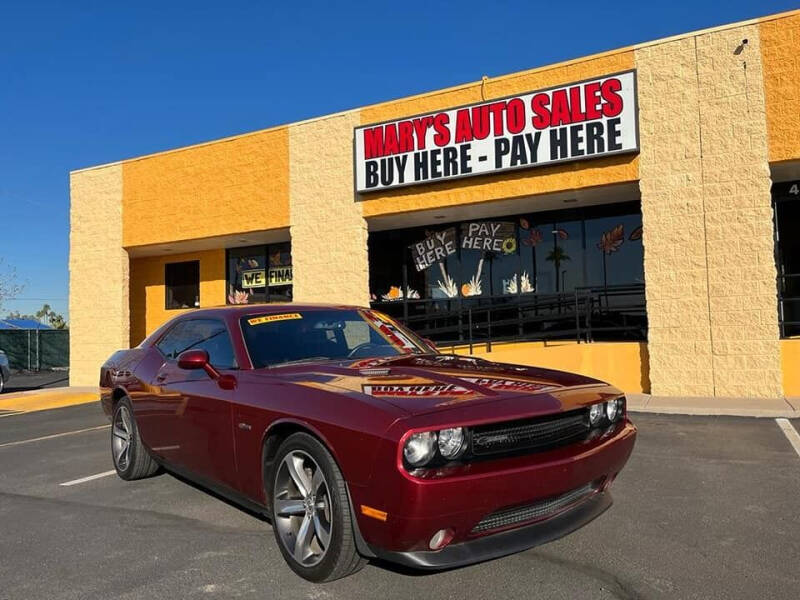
[[794, 190]]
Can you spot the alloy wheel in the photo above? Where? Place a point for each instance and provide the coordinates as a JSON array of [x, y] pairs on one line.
[[121, 433], [302, 511]]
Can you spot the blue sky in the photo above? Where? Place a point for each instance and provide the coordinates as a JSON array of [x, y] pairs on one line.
[[88, 83]]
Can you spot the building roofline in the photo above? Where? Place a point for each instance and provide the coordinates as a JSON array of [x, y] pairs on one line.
[[461, 86]]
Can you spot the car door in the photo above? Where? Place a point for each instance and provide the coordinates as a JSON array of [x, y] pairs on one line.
[[199, 410]]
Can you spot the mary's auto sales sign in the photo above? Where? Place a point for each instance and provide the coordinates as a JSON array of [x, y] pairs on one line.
[[577, 121]]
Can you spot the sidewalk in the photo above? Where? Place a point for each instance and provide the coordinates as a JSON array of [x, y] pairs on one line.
[[735, 407], [21, 402]]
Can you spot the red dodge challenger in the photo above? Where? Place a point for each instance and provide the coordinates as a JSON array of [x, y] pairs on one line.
[[358, 439]]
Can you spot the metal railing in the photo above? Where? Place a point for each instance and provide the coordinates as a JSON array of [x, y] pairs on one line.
[[789, 304], [585, 314]]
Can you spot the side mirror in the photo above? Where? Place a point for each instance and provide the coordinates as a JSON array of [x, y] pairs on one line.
[[192, 360]]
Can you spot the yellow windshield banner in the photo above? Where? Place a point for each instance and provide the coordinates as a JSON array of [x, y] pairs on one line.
[[271, 318]]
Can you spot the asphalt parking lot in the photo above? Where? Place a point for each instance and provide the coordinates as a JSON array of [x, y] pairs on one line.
[[24, 381], [707, 508]]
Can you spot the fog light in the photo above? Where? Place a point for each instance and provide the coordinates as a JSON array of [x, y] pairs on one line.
[[440, 539], [596, 414]]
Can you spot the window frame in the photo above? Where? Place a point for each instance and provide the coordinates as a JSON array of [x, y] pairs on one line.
[[265, 248], [183, 322], [167, 286]]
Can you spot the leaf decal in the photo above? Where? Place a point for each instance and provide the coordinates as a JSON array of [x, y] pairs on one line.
[[523, 222], [562, 234], [636, 234], [612, 240], [534, 237]]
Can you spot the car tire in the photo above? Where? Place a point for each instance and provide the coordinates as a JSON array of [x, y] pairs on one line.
[[331, 551], [131, 458]]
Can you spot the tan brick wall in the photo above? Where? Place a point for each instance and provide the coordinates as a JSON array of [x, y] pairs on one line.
[[704, 179], [328, 230], [672, 216], [98, 272], [739, 227]]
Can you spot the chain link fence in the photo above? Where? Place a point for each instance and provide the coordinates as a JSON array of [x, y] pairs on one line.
[[36, 349]]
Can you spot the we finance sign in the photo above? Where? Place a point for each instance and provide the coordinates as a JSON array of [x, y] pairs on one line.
[[577, 121]]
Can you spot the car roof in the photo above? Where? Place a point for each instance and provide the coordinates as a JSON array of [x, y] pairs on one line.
[[272, 308]]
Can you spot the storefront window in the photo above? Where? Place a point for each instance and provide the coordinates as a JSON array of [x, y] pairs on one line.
[[787, 255], [515, 276], [260, 274], [182, 284]]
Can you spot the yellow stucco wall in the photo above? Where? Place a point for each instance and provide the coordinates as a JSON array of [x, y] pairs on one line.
[[147, 294], [623, 364], [790, 361], [780, 51], [540, 180], [98, 272], [229, 186]]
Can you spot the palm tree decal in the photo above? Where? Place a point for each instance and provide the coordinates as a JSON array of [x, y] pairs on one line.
[[556, 256]]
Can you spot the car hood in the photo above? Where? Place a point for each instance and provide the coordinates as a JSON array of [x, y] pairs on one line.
[[422, 384]]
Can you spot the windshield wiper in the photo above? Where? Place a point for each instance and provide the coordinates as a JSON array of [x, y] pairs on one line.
[[301, 360]]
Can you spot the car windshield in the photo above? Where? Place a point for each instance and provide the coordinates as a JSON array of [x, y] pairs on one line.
[[308, 335]]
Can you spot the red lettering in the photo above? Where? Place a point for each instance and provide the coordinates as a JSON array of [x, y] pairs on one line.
[[539, 104], [373, 142], [421, 129], [440, 123], [390, 145], [405, 131], [480, 122], [463, 127], [497, 108], [608, 90], [515, 115], [560, 108], [591, 93], [575, 105]]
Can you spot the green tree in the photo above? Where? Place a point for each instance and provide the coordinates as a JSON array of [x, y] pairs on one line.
[[44, 315]]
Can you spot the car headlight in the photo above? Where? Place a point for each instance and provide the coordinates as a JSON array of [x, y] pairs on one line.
[[596, 414], [451, 442], [420, 448], [614, 409]]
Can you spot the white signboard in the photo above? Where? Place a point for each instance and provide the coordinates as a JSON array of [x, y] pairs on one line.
[[577, 121]]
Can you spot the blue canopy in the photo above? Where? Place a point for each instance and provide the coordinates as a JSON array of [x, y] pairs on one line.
[[22, 324]]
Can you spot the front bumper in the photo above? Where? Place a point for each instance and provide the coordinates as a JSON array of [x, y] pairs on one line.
[[504, 543], [417, 508]]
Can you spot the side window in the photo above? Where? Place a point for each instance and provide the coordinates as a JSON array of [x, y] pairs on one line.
[[203, 334], [171, 340]]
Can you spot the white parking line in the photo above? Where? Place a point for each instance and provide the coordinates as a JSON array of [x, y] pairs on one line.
[[89, 478], [55, 435], [791, 433]]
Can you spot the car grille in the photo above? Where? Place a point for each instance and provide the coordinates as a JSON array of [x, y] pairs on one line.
[[541, 433], [534, 512]]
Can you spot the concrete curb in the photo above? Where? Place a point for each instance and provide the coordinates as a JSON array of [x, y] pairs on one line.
[[769, 408]]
